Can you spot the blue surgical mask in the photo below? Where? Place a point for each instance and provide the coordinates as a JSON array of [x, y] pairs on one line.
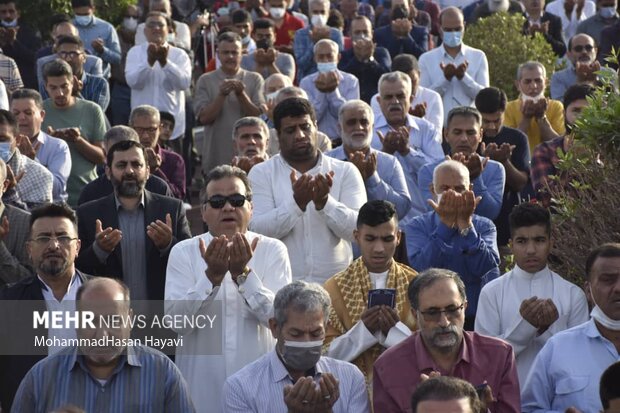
[[327, 67], [607, 12], [5, 151], [12, 23], [84, 20], [452, 39]]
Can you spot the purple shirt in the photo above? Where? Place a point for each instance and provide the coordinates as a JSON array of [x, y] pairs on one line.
[[481, 358], [172, 170]]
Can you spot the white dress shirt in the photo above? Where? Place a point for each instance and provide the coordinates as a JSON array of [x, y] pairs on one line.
[[318, 242], [259, 387], [246, 310], [455, 92], [434, 108], [498, 311], [569, 26], [162, 87], [66, 303]]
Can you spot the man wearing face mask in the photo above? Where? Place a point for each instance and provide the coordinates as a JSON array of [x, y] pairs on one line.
[[540, 118], [305, 39], [329, 88], [242, 25], [401, 35], [454, 70], [294, 377], [606, 15], [285, 24], [565, 374], [266, 60]]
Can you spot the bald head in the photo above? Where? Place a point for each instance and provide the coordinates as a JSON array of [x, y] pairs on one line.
[[65, 29], [450, 175], [276, 82], [103, 288], [451, 13]]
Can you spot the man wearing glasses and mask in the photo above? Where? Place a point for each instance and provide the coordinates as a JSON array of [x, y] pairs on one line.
[[231, 267], [442, 348]]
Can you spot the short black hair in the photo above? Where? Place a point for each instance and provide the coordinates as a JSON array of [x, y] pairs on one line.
[[491, 100], [123, 146], [263, 24], [399, 12], [464, 111], [59, 18], [577, 92], [529, 214], [445, 388], [9, 2], [240, 16], [61, 210], [28, 94], [69, 39], [608, 388], [608, 250], [374, 213], [82, 3], [294, 108], [570, 41], [57, 68], [169, 22], [335, 19], [405, 63], [7, 118], [163, 115]]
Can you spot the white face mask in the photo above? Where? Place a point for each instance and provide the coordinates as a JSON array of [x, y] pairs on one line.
[[12, 23], [603, 319], [170, 37], [246, 40], [327, 67], [272, 96], [130, 23], [277, 12], [318, 20], [534, 99]]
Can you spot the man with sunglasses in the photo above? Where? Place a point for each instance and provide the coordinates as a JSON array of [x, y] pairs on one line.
[[442, 348], [229, 266]]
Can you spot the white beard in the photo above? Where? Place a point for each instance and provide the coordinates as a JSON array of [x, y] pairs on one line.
[[498, 6]]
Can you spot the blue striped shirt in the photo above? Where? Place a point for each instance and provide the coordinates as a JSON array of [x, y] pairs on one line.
[[144, 380]]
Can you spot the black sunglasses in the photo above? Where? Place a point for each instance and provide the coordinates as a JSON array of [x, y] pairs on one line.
[[218, 201], [579, 48]]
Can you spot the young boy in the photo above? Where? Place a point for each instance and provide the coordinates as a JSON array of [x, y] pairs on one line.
[[530, 303]]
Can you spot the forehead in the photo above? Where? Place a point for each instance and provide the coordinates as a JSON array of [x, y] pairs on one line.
[[463, 122], [131, 154], [6, 129], [308, 320], [22, 104], [53, 225], [226, 186], [360, 24], [144, 119], [392, 87], [386, 228], [58, 80], [582, 40], [250, 130], [319, 5], [275, 83], [606, 265], [355, 112], [451, 19], [577, 104], [531, 231], [229, 45], [441, 293], [531, 73], [8, 7], [297, 120], [325, 48], [68, 46], [461, 405], [451, 177], [263, 30], [159, 19], [492, 116]]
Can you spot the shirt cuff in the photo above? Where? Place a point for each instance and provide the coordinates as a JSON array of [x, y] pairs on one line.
[[373, 180], [330, 206], [470, 241], [396, 334], [102, 255], [163, 252], [203, 288], [251, 285], [444, 232]]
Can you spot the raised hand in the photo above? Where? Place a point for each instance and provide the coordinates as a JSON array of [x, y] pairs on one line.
[[447, 208], [466, 208], [418, 110], [390, 141], [240, 253], [302, 189], [370, 318], [153, 159], [388, 317], [25, 146], [217, 256], [500, 153], [461, 69], [367, 165], [160, 232], [107, 239], [322, 185], [449, 70]]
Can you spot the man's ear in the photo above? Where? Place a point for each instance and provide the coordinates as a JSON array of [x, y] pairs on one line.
[[432, 188], [273, 326], [108, 172]]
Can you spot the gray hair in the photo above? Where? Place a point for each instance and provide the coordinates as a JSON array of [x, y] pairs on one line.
[[300, 296], [120, 133], [229, 37], [285, 79], [311, 2], [465, 111], [356, 104], [291, 92], [144, 111], [429, 277], [531, 65], [450, 164], [395, 76], [321, 42], [226, 171], [250, 121]]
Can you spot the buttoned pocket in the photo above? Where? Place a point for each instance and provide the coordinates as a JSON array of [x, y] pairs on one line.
[[573, 384]]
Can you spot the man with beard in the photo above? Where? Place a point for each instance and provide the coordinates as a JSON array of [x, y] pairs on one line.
[[382, 173], [97, 377], [441, 347], [52, 246], [265, 59], [250, 141], [129, 234]]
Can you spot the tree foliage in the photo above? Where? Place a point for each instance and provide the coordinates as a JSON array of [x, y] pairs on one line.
[[501, 38]]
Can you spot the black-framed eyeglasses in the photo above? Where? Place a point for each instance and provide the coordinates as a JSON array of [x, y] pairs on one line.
[[218, 201], [70, 55], [579, 48], [434, 315], [63, 240]]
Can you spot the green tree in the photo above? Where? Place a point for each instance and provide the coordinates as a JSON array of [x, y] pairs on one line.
[[501, 38]]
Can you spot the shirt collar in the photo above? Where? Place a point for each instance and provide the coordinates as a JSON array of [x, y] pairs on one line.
[[119, 205], [381, 122], [130, 357], [460, 53], [41, 137], [520, 273], [591, 330], [44, 285], [279, 371]]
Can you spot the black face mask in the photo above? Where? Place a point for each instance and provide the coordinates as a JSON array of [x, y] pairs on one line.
[[264, 44]]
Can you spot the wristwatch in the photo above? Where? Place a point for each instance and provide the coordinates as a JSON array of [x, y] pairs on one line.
[[241, 278]]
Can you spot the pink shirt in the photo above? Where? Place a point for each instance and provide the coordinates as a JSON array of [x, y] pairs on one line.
[[481, 358]]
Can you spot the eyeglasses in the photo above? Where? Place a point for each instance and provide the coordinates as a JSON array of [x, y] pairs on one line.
[[579, 48], [140, 130], [69, 55], [451, 312], [155, 25], [63, 240], [218, 201]]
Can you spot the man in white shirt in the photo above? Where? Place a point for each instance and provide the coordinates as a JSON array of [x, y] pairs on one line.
[[229, 268], [294, 377], [181, 35], [530, 303], [572, 12], [307, 200], [158, 72], [359, 329], [454, 70]]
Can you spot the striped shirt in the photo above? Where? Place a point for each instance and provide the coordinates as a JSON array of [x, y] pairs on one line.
[[259, 386], [145, 380]]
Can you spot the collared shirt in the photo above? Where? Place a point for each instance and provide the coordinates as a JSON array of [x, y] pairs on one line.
[[246, 310], [259, 387], [387, 182], [475, 257], [111, 47], [303, 50], [162, 87], [569, 25], [133, 248], [498, 311], [544, 161], [562, 80], [9, 73], [567, 371], [172, 171], [423, 148], [455, 92], [35, 186], [327, 105], [480, 360], [53, 153], [318, 242], [144, 380]]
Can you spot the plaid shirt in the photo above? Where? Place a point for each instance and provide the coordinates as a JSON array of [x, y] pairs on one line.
[[35, 185], [544, 161], [9, 73]]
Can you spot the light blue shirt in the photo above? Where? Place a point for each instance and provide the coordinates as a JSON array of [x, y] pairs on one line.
[[387, 183], [327, 105], [55, 156], [111, 45], [259, 386], [489, 185], [567, 371], [303, 50], [423, 149], [562, 80]]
